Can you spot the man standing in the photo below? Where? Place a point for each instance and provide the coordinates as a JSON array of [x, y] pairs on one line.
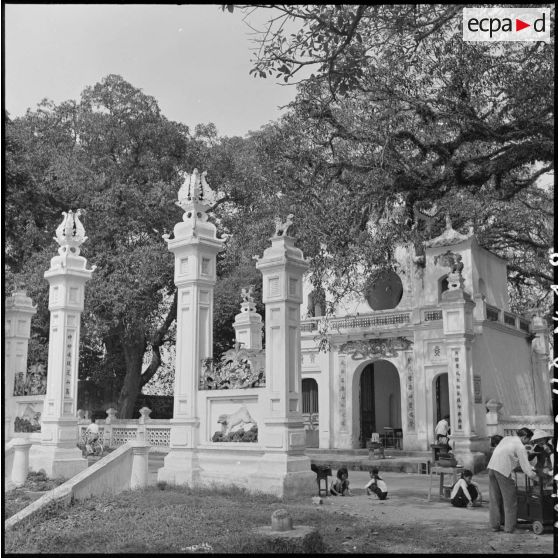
[[507, 455], [442, 430]]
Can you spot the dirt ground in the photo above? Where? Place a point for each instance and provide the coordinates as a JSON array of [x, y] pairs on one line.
[[409, 523]]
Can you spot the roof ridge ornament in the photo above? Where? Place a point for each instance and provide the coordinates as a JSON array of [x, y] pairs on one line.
[[449, 236]]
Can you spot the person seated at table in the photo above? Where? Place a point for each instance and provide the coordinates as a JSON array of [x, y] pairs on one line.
[[376, 485], [465, 492], [340, 484], [442, 431]]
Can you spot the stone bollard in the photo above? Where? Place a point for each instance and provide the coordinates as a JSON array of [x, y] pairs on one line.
[[300, 539], [281, 521], [107, 431], [20, 465], [140, 459]]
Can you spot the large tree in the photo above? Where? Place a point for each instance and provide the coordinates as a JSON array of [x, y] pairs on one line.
[[400, 112], [115, 156]]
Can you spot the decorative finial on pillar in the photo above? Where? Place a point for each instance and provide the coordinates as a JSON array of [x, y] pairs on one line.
[[248, 304], [448, 222], [70, 234], [453, 261], [281, 229], [195, 197]]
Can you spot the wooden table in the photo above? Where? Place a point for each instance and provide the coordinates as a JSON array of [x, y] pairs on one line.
[[442, 471]]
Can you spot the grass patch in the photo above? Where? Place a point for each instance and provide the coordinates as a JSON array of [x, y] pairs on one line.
[[35, 485], [172, 520], [223, 520]]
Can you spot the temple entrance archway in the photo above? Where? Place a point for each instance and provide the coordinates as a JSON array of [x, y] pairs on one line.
[[379, 400], [440, 393]]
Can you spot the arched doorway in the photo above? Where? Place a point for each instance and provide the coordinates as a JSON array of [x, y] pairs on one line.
[[310, 411], [380, 400], [440, 390], [309, 396]]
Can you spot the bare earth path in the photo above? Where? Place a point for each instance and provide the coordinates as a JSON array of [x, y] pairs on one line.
[[425, 526]]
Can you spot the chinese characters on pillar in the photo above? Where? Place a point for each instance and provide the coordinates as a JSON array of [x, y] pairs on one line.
[[458, 389], [342, 393], [68, 365], [410, 393]]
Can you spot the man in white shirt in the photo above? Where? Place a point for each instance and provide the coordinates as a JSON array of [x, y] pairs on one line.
[[442, 429], [507, 455]]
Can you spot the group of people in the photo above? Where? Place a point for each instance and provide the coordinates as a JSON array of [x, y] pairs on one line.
[[376, 485], [509, 455]]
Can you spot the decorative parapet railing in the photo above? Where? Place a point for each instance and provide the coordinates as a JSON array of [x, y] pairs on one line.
[[510, 425], [117, 432], [377, 320], [431, 315], [494, 314]]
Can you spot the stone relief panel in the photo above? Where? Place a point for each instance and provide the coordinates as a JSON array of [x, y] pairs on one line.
[[436, 351], [371, 348], [237, 368], [308, 359]]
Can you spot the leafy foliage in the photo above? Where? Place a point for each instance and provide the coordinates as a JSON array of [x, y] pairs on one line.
[[115, 156], [401, 116]]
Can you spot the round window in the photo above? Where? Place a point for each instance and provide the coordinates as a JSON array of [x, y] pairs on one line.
[[384, 290]]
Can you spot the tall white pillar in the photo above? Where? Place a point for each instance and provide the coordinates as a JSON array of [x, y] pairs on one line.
[[17, 319], [457, 313], [284, 464], [59, 455], [195, 246]]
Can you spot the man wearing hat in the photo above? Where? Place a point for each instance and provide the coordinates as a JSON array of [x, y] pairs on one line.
[[542, 452], [502, 492]]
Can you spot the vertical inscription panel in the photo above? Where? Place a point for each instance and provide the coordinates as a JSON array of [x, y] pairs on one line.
[[342, 394], [410, 380]]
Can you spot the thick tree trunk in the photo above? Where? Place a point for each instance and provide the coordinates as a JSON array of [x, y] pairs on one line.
[[134, 349]]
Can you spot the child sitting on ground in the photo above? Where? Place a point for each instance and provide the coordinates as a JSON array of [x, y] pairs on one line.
[[340, 485], [376, 485], [465, 492]]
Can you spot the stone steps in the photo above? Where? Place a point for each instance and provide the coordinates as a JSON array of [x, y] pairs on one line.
[[357, 460]]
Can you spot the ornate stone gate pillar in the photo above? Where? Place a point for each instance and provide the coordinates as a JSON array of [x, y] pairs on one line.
[[17, 319], [284, 468], [195, 246], [58, 454], [457, 309]]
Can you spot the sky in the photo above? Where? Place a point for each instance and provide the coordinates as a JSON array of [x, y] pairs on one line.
[[194, 59]]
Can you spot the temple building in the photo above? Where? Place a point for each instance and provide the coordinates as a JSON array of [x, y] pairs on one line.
[[434, 337]]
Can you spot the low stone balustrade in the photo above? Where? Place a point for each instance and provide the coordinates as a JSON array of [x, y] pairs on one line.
[[116, 432]]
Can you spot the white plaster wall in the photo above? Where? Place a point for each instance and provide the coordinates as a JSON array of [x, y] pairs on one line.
[[492, 270], [503, 361]]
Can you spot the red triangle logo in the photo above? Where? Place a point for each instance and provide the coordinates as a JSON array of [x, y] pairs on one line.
[[519, 25]]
